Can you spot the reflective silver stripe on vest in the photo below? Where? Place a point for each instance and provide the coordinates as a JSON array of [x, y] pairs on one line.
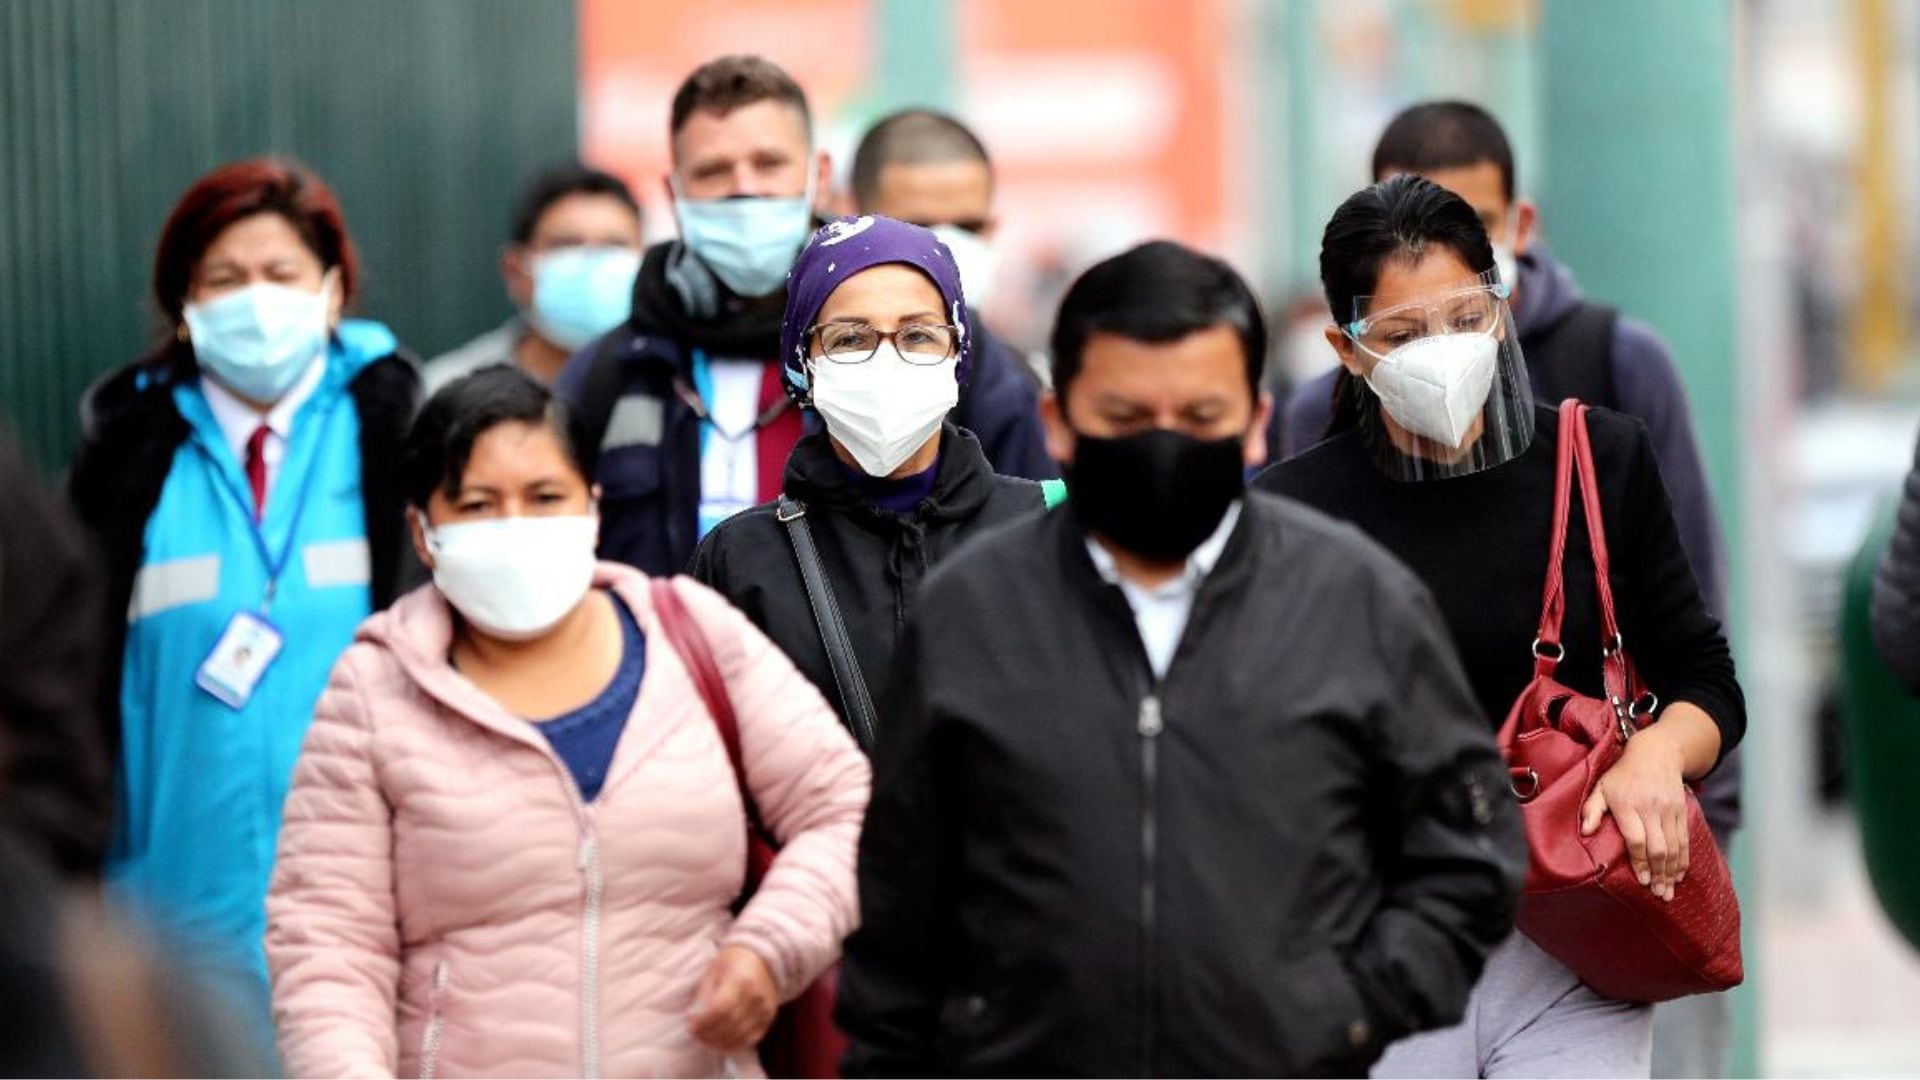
[[174, 583], [637, 420], [338, 562]]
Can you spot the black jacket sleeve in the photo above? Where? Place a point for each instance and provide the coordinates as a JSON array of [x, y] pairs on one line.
[[1454, 855], [1675, 641], [895, 972], [53, 775], [1895, 607]]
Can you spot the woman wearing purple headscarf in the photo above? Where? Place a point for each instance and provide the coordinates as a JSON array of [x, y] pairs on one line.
[[876, 342]]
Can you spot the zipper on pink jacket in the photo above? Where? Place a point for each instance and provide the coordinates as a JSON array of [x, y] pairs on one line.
[[436, 1020], [589, 863]]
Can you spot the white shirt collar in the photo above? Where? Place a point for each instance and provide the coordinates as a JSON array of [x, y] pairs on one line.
[[237, 419], [1200, 562]]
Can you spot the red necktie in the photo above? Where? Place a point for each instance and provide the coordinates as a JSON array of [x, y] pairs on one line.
[[257, 469]]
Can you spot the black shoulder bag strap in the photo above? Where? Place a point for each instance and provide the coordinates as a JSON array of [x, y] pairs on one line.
[[854, 699]]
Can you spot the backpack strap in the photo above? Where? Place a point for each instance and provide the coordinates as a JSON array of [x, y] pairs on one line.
[[600, 389], [854, 699], [1573, 358]]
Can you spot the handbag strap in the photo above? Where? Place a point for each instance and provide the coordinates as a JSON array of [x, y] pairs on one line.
[[833, 629], [690, 643], [1574, 460]]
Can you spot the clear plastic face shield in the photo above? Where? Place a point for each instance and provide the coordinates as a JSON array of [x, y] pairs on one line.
[[1443, 387]]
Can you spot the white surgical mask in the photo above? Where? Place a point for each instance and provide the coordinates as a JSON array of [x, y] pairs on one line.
[[885, 409], [514, 578], [976, 260], [259, 340], [1437, 386]]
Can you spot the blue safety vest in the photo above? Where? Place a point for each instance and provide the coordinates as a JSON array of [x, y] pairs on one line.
[[201, 782]]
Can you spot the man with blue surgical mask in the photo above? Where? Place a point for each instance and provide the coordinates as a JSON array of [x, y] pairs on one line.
[[684, 401], [569, 269]]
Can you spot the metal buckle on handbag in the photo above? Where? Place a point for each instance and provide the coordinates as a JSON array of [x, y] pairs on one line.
[[1559, 651], [799, 511], [1532, 780], [1644, 705]]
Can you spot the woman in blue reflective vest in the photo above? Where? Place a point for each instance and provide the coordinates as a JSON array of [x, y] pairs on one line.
[[239, 479]]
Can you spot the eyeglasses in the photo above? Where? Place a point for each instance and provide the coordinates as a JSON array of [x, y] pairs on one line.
[[923, 344], [1465, 311]]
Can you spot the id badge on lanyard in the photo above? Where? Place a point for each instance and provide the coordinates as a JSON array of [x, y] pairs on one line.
[[250, 642]]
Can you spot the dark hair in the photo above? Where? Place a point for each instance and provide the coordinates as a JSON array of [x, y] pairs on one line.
[[1157, 292], [912, 137], [1444, 135], [434, 456], [239, 190], [730, 82], [1404, 219], [559, 182]]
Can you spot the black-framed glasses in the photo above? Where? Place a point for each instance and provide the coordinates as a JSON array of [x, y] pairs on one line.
[[856, 342]]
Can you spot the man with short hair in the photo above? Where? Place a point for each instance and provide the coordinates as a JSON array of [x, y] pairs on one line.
[[683, 402], [1573, 348], [928, 168], [569, 266], [1181, 778]]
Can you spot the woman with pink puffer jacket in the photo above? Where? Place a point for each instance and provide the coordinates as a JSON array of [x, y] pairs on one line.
[[515, 837]]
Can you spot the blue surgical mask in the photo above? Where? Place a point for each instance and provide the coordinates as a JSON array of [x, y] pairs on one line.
[[259, 340], [582, 292], [748, 243]]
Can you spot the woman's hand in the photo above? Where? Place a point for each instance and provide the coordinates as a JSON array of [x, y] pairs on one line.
[[1646, 793], [735, 1002]]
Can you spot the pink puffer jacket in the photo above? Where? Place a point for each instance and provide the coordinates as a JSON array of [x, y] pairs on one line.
[[445, 904]]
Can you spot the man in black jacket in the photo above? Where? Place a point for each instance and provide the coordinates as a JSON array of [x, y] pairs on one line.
[[685, 401], [1181, 779]]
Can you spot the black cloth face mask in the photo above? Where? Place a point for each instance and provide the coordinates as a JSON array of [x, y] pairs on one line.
[[1157, 494]]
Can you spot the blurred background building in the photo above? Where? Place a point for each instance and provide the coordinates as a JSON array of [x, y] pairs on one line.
[[1738, 173]]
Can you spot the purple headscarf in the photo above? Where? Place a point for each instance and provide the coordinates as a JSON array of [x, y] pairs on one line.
[[843, 248]]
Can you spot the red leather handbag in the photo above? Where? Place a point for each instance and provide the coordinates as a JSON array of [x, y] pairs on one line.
[[803, 1041], [1583, 903]]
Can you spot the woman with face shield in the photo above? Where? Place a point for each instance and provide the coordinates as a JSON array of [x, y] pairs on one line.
[[1438, 452], [239, 482], [876, 341], [515, 838]]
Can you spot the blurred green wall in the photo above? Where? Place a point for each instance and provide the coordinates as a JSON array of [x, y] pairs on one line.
[[425, 116]]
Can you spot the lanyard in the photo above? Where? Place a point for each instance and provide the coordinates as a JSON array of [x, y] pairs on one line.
[[277, 564], [697, 396]]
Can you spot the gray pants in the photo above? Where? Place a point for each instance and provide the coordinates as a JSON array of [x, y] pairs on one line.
[[1530, 1017], [1693, 1037]]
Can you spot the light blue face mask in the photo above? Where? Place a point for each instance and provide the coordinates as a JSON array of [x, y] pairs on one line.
[[582, 292], [259, 340], [748, 243]]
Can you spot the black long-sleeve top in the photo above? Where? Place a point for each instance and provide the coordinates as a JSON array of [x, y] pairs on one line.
[[1480, 542]]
